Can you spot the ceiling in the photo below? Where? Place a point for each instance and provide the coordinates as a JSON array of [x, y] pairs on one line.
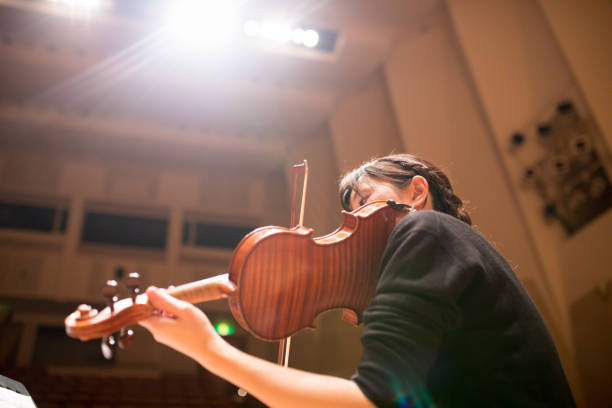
[[120, 67]]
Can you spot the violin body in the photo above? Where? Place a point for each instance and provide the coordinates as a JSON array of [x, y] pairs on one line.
[[279, 279], [285, 278]]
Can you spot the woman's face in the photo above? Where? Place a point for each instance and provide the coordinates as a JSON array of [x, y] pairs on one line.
[[371, 189]]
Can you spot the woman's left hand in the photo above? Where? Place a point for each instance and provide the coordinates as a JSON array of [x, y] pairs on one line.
[[180, 325]]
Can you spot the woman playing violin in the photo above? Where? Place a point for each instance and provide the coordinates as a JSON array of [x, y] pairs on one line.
[[450, 324]]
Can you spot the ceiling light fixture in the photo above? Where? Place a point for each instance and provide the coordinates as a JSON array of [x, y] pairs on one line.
[[280, 32], [252, 28], [276, 31], [199, 23], [311, 38]]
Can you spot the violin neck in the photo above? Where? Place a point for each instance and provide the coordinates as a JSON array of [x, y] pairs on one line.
[[204, 290]]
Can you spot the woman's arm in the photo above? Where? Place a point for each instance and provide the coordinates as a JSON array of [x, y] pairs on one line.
[[187, 330]]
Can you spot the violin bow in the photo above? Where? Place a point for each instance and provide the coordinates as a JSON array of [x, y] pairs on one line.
[[301, 168]]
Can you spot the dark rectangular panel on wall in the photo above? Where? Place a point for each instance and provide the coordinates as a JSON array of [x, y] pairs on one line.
[[142, 232], [213, 235], [32, 217]]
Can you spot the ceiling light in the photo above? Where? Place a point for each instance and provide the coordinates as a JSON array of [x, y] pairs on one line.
[[276, 31], [311, 38], [199, 22], [298, 36], [283, 33], [252, 28]]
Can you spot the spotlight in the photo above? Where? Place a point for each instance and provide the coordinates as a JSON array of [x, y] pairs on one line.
[[199, 22], [276, 31], [281, 32], [311, 38], [298, 36], [252, 28]]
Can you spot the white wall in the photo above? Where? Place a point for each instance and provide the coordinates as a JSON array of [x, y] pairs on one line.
[[583, 34], [363, 125], [441, 119], [518, 72], [582, 31], [523, 61], [524, 57]]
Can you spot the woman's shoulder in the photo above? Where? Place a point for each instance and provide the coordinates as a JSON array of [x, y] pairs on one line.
[[441, 229], [433, 222]]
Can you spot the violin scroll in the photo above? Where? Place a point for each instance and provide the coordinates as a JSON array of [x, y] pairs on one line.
[[87, 323]]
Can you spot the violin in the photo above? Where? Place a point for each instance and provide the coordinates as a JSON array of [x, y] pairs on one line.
[[279, 279]]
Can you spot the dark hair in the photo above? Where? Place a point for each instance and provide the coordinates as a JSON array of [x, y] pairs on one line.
[[399, 169]]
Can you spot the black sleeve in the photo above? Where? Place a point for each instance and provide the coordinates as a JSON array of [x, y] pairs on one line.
[[413, 308]]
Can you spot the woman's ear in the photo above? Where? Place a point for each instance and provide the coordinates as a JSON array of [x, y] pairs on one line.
[[418, 191]]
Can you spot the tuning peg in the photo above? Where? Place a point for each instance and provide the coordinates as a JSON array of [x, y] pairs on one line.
[[85, 312], [110, 293], [108, 346], [133, 284], [125, 338]]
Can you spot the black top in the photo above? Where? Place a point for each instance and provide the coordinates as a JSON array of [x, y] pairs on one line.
[[451, 326]]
